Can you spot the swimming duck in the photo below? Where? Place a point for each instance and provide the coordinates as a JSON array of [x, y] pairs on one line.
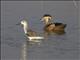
[[52, 27], [28, 32]]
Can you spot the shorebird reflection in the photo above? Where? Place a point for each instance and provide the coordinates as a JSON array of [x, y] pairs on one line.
[[24, 51]]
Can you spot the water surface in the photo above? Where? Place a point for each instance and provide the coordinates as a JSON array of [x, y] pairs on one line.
[[56, 47]]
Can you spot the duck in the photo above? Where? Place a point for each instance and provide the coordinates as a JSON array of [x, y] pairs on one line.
[[55, 27], [30, 34]]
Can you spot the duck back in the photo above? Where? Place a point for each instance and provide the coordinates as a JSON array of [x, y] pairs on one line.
[[60, 24]]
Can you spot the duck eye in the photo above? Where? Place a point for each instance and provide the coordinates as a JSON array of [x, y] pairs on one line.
[[49, 18]]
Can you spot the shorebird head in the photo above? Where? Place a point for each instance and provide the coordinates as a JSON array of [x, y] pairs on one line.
[[46, 18], [23, 22]]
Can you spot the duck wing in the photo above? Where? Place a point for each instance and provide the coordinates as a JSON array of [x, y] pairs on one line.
[[57, 24], [49, 24], [60, 24]]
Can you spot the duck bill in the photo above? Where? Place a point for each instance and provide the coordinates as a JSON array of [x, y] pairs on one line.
[[41, 19]]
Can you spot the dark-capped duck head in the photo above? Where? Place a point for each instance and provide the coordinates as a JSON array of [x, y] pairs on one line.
[[46, 18]]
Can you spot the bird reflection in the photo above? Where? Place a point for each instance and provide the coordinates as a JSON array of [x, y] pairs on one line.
[[52, 28], [24, 51], [24, 48], [30, 43]]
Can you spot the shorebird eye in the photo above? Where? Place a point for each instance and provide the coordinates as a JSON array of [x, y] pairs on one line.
[[22, 21]]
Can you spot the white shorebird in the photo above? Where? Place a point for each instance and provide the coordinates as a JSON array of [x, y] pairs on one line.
[[31, 35]]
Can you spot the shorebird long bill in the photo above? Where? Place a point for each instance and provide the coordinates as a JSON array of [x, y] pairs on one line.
[[18, 24]]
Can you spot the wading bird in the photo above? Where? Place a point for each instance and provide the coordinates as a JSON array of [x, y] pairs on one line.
[[31, 35]]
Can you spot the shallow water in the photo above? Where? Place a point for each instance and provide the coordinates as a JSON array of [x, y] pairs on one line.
[[56, 47]]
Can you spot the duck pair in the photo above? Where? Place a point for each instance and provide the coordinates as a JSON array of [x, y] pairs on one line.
[[49, 27]]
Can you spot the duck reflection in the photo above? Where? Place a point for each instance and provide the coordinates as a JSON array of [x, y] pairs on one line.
[[52, 28]]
